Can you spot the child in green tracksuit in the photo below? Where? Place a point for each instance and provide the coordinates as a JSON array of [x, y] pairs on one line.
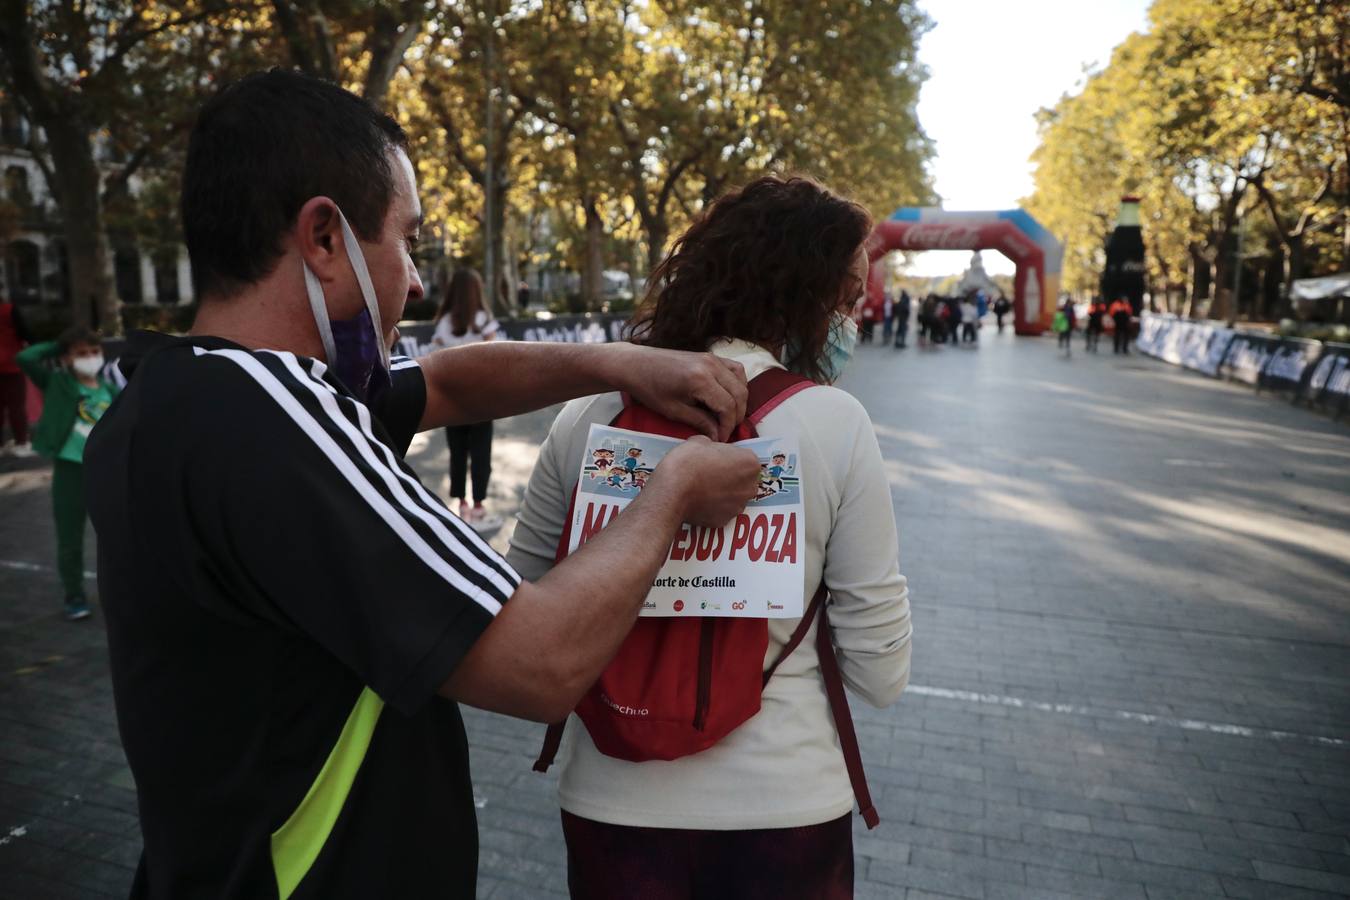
[[74, 396]]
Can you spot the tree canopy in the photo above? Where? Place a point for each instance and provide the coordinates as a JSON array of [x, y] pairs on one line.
[[584, 133], [1231, 120]]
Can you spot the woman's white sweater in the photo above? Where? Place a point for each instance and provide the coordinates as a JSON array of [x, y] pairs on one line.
[[782, 768]]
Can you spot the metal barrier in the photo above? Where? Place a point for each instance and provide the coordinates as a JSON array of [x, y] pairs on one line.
[[1313, 372], [415, 337]]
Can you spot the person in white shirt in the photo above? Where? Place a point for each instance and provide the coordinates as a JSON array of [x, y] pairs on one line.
[[463, 319], [766, 276], [969, 320]]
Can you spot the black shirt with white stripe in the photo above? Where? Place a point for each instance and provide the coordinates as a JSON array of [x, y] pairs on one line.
[[273, 577]]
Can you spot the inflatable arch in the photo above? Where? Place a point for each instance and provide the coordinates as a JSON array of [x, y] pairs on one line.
[[1012, 232]]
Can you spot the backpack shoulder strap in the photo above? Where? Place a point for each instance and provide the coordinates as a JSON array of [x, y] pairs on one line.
[[799, 633], [552, 740], [769, 389], [843, 721], [834, 690]]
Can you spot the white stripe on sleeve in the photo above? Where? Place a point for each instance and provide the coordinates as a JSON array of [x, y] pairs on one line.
[[359, 482], [327, 396]]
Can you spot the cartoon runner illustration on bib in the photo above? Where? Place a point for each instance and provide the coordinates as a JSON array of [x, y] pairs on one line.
[[601, 459], [630, 463], [777, 469]]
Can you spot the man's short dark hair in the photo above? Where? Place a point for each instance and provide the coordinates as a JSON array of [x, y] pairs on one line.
[[261, 148]]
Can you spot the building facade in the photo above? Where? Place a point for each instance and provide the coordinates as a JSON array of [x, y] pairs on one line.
[[35, 274]]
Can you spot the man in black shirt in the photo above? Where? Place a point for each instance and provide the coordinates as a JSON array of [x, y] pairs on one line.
[[274, 576]]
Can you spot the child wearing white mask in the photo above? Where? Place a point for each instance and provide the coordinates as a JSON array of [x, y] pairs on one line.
[[74, 396]]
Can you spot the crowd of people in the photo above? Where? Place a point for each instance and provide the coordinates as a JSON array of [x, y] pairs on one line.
[[1120, 313], [957, 320], [938, 319]]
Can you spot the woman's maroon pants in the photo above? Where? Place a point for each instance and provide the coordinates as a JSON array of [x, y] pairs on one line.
[[619, 862]]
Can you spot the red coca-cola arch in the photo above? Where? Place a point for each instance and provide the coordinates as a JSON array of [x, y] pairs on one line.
[[1014, 233]]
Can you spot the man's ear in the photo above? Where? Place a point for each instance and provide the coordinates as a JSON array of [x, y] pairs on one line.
[[318, 236]]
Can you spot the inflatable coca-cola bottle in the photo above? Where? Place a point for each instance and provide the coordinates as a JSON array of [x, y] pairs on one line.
[[1124, 272]]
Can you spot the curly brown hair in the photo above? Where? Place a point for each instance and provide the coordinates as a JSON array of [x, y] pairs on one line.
[[768, 263]]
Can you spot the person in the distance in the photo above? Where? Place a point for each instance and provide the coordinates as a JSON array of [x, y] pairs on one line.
[[463, 319]]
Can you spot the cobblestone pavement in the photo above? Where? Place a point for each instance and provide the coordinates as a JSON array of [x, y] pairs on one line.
[[1131, 671]]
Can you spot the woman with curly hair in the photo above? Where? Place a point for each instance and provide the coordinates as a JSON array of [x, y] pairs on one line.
[[768, 276]]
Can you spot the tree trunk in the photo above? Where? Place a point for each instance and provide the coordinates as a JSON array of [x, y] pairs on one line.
[[658, 231], [1345, 242], [305, 31], [593, 265], [79, 195], [74, 173], [1293, 268], [1202, 279], [511, 271], [1222, 287], [495, 247], [1271, 280], [388, 45]]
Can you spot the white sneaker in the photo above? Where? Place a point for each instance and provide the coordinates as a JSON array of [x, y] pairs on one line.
[[22, 451], [481, 521]]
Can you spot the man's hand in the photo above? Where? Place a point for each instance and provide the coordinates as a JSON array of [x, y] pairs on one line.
[[712, 482], [551, 641], [700, 390]]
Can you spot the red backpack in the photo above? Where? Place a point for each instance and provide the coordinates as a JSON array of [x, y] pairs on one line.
[[679, 685]]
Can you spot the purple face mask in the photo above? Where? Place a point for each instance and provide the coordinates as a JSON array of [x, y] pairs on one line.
[[359, 364], [355, 348]]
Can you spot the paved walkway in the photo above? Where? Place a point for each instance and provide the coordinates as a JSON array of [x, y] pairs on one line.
[[1132, 658]]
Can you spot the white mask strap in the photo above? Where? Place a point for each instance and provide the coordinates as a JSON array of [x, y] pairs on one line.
[[358, 260], [320, 310]]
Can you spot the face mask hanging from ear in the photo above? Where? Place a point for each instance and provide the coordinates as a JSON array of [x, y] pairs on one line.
[[839, 346], [355, 348], [839, 349]]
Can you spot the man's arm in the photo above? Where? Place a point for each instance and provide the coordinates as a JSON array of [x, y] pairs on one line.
[[554, 637], [496, 379]]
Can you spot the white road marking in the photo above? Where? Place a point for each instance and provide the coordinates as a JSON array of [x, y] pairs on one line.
[[1014, 702], [20, 566], [1168, 721], [17, 831]]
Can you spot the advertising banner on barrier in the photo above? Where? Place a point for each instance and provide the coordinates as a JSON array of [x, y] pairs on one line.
[[749, 568], [415, 338], [1247, 356], [1289, 365], [1194, 344], [1314, 371], [1328, 384], [1202, 345], [1152, 331]]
